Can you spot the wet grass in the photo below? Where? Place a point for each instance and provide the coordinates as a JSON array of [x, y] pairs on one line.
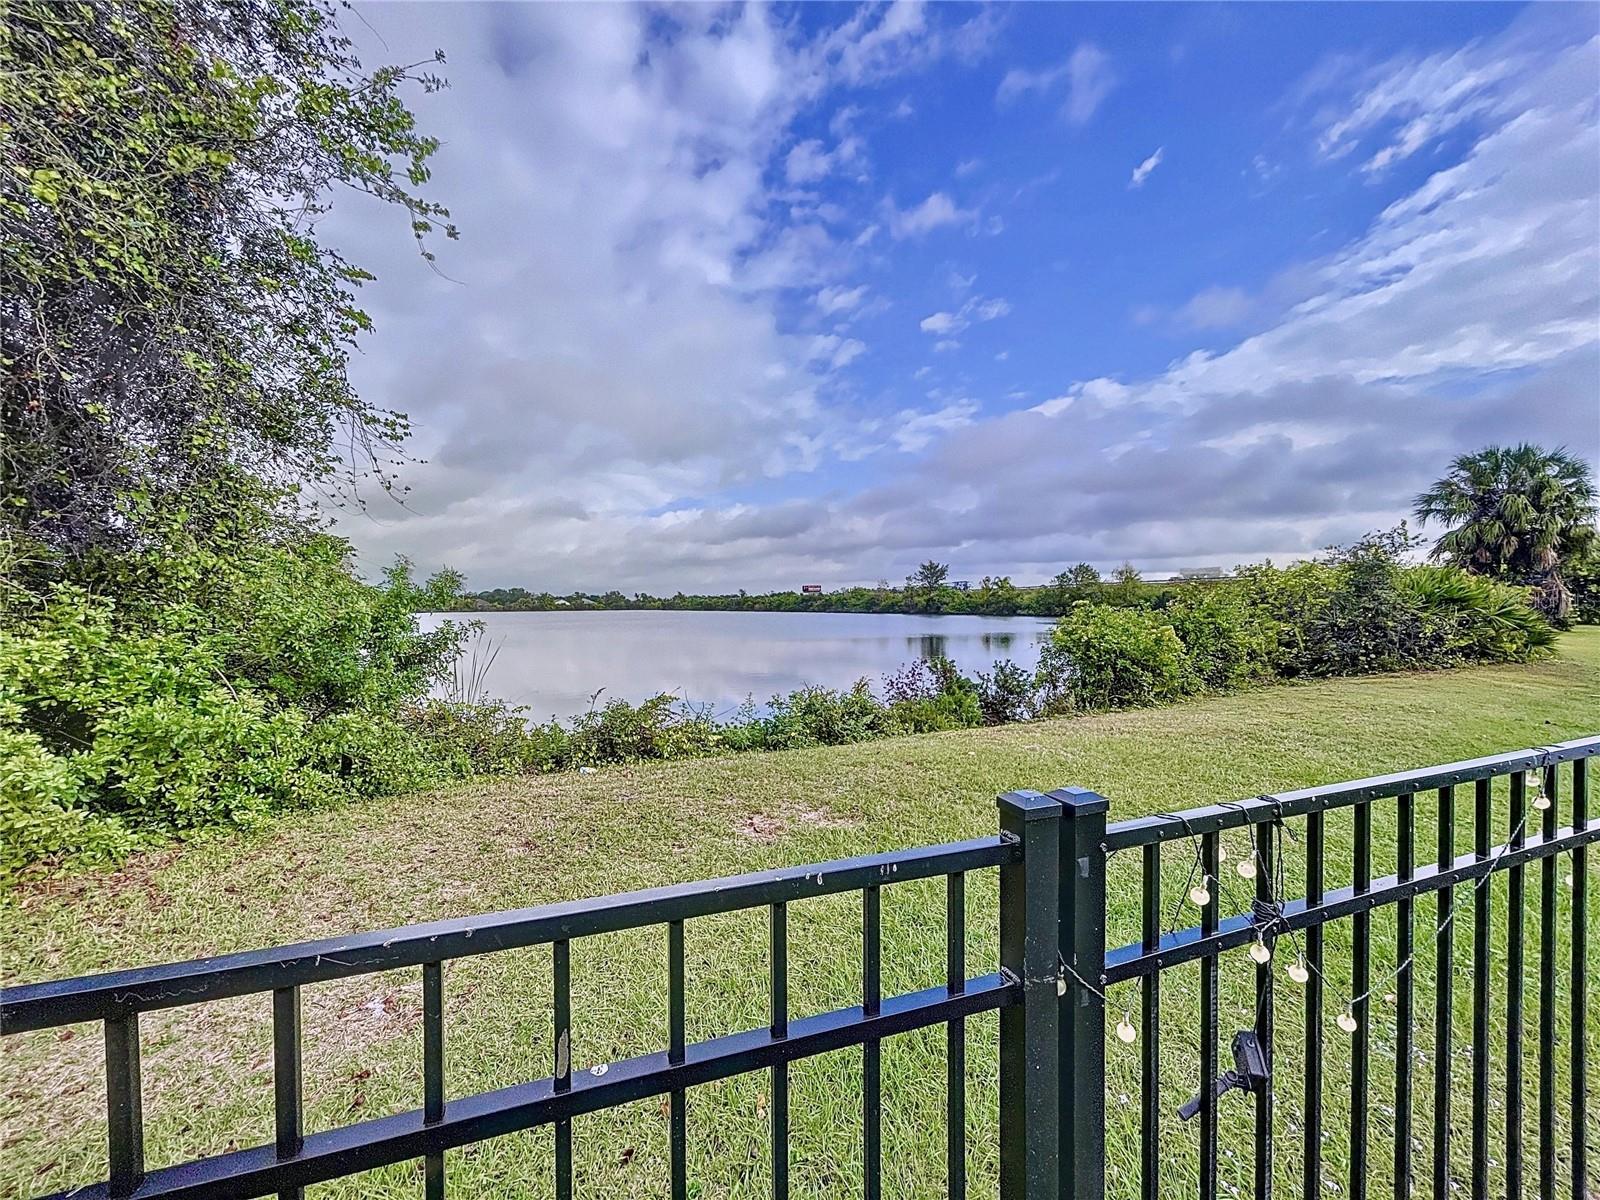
[[506, 843]]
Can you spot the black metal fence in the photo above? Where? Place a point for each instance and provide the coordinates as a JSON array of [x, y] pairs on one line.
[[1050, 988]]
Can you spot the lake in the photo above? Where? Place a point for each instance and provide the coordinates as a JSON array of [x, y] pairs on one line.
[[551, 662]]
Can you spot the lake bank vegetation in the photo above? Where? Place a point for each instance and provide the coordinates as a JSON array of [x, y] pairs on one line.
[[1354, 611]]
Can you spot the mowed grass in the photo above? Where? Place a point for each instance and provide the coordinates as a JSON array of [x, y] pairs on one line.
[[508, 843]]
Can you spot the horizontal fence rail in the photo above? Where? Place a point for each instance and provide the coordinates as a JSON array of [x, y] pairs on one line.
[[1528, 809]]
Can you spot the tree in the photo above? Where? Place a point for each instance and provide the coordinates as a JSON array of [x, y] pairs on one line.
[[1515, 513], [1080, 575], [173, 337], [1127, 586], [928, 576]]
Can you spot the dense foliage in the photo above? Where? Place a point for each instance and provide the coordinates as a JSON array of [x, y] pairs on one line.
[[1521, 514], [172, 333], [258, 681]]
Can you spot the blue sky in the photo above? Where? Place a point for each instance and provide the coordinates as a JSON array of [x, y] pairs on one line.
[[751, 296]]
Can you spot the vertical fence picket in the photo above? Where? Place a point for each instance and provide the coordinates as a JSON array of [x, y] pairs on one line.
[[1030, 1030], [433, 1071], [1265, 840], [955, 1038], [1150, 1020], [779, 924], [1482, 804], [1210, 863], [1403, 1001], [871, 1050], [678, 1097], [1580, 943], [1443, 998], [1361, 1006], [1081, 946], [1547, 999], [287, 1087], [124, 1104], [1515, 987], [561, 956], [1311, 1180]]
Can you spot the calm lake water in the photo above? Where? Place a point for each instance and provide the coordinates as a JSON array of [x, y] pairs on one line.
[[551, 662]]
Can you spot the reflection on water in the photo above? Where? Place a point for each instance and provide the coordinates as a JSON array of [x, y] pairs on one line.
[[552, 662]]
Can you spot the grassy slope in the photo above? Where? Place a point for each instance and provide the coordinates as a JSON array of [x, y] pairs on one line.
[[500, 844]]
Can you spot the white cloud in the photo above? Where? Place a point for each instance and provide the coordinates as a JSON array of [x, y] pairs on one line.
[[1426, 98], [967, 166], [839, 299], [1087, 74], [917, 429], [946, 345], [1216, 308], [1142, 171], [936, 212], [807, 162], [976, 309]]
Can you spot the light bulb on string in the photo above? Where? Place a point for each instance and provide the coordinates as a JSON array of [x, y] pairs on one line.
[[1536, 790], [1261, 952], [1298, 971], [1347, 1021], [1126, 1033], [1246, 868], [1199, 896]]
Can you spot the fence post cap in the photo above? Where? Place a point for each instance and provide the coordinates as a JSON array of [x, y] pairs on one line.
[[1030, 806], [1080, 801]]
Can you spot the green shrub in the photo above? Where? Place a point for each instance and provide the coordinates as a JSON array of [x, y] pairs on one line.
[[1475, 618], [1230, 642], [1006, 694], [813, 716], [929, 695], [40, 810], [1102, 657], [659, 727], [213, 705]]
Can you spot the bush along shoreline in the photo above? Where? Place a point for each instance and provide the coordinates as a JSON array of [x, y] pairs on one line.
[[273, 680]]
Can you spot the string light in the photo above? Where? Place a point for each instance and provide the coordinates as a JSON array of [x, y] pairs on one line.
[[1347, 1021], [1247, 868], [1198, 895], [1261, 952], [1126, 1033], [1298, 972], [1540, 800]]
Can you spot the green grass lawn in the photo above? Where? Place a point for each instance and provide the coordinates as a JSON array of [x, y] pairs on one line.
[[507, 843]]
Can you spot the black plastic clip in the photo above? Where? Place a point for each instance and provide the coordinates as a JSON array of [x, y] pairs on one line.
[[1249, 1074]]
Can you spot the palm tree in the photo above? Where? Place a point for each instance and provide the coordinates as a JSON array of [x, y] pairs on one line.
[[1515, 513]]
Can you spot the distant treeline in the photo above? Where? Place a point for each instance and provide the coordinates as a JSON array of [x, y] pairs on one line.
[[927, 592]]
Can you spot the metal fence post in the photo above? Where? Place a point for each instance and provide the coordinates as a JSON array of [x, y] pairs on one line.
[[1030, 933], [1083, 1009]]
